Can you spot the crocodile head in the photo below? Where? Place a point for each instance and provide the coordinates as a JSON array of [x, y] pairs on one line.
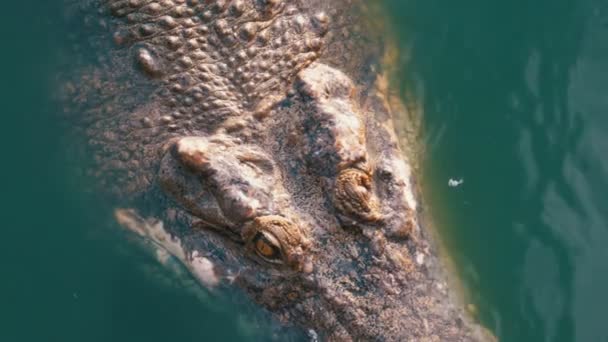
[[317, 221], [250, 156]]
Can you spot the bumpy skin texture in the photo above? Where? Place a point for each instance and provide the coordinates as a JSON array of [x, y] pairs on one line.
[[253, 135]]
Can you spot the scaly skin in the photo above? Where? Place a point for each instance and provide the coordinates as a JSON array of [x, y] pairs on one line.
[[254, 135]]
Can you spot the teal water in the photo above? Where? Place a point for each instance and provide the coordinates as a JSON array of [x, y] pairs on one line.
[[513, 99]]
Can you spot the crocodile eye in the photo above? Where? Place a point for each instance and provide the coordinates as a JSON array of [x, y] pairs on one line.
[[353, 195], [274, 239], [267, 247]]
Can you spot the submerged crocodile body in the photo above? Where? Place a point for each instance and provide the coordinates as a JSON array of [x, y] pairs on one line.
[[251, 140]]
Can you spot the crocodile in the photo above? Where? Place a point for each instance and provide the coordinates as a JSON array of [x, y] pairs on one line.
[[255, 141]]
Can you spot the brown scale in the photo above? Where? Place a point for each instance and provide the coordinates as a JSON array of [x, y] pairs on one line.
[[226, 58]]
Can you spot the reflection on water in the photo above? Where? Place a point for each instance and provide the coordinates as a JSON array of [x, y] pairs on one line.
[[514, 99], [514, 103]]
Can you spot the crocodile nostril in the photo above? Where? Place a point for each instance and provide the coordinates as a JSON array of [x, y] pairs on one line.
[[385, 174], [353, 195]]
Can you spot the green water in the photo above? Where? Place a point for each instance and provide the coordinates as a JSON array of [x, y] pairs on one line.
[[514, 102]]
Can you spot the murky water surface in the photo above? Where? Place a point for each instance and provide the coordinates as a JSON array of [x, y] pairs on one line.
[[514, 103]]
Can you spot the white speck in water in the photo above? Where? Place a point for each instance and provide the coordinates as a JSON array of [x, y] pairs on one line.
[[452, 183]]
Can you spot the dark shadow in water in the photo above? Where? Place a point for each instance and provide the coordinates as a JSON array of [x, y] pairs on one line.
[[492, 72]]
